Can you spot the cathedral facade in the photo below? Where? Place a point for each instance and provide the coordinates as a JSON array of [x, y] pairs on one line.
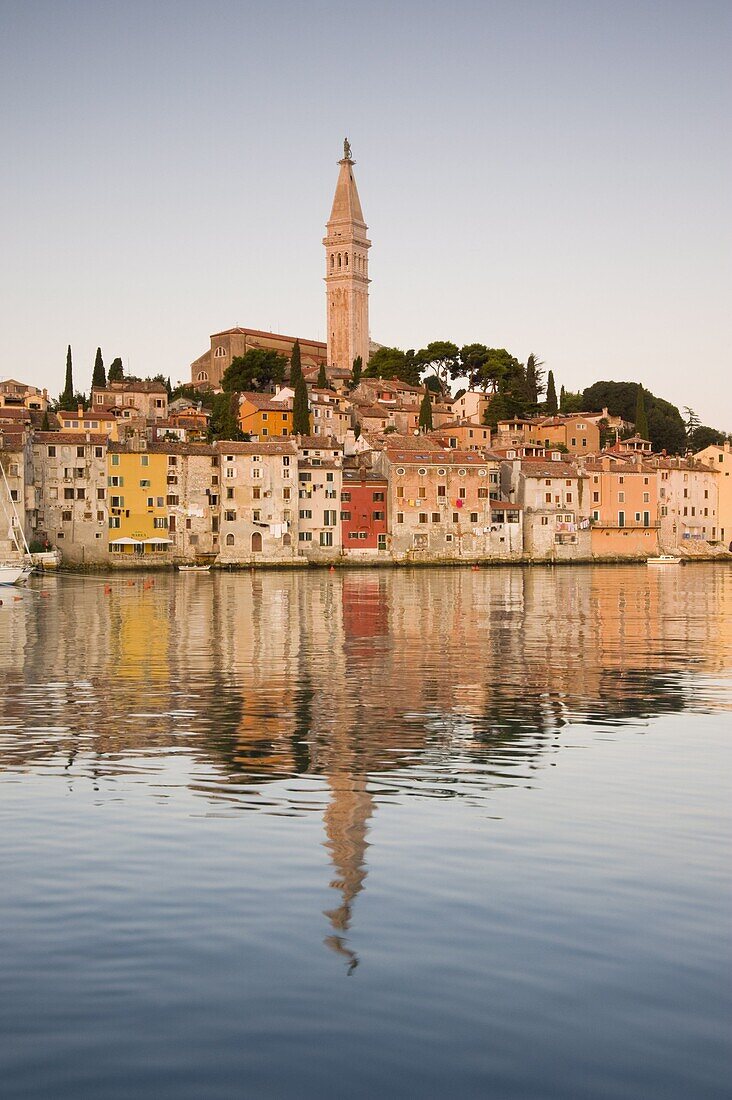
[[347, 299]]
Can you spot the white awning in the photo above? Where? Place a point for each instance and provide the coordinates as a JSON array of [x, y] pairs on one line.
[[158, 542], [125, 542]]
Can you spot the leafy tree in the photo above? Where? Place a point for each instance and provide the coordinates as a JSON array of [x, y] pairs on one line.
[[551, 405], [641, 419], [666, 428], [224, 423], [394, 363], [255, 370], [295, 364], [356, 371], [67, 400], [498, 409], [703, 436], [473, 359], [425, 413], [433, 384], [300, 409], [322, 382], [99, 377], [443, 359], [571, 402], [116, 372]]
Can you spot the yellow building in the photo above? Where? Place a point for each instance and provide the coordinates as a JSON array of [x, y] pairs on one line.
[[141, 487], [88, 421]]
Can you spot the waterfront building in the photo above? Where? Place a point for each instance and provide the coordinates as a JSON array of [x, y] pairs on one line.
[[69, 473], [320, 466], [346, 272], [624, 507], [554, 499], [447, 504], [259, 501], [138, 483], [20, 511], [363, 511], [687, 501], [719, 458]]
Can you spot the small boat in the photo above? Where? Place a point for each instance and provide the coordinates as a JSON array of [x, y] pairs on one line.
[[194, 568], [663, 559], [11, 574]]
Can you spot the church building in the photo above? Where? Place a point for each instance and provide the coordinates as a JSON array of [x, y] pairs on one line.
[[347, 299]]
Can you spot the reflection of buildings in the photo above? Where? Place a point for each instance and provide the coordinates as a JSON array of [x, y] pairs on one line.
[[248, 679]]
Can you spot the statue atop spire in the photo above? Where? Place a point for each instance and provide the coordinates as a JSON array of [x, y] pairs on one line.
[[347, 149]]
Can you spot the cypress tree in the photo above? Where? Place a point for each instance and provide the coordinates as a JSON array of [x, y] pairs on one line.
[[322, 382], [295, 364], [641, 418], [425, 414], [99, 378], [551, 395], [115, 373], [300, 409], [169, 388], [66, 401], [562, 398], [356, 371], [46, 423]]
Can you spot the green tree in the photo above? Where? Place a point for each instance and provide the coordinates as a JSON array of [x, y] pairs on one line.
[[45, 423], [534, 381], [99, 378], [356, 371], [66, 400], [551, 405], [704, 436], [473, 359], [425, 413], [257, 369], [666, 428], [300, 409], [498, 409], [394, 363], [169, 388], [295, 364], [116, 372], [571, 402], [443, 359], [224, 423], [322, 382], [641, 418]]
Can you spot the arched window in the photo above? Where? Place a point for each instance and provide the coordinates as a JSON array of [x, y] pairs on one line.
[[220, 352], [339, 259], [256, 543], [229, 540], [203, 376], [286, 540], [332, 261], [346, 259]]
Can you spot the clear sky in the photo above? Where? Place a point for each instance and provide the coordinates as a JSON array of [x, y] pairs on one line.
[[543, 176]]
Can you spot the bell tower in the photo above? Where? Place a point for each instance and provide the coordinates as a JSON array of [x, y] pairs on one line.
[[347, 271]]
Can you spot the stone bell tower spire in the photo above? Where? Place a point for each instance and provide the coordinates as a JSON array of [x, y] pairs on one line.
[[346, 271]]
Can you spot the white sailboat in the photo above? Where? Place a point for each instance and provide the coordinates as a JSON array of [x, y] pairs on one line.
[[19, 569]]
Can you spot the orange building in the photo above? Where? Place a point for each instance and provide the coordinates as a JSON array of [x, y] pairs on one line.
[[623, 507], [266, 415]]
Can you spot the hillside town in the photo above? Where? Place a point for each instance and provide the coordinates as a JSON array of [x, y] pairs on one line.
[[329, 462]]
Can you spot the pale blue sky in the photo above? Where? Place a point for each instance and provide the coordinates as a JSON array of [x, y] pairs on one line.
[[548, 177]]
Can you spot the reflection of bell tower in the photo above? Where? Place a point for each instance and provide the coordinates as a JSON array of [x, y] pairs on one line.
[[346, 826], [346, 271]]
